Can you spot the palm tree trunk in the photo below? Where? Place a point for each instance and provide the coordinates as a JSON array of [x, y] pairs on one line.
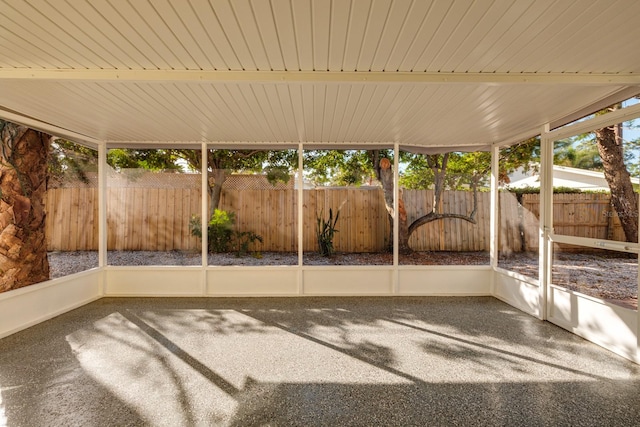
[[623, 198], [23, 184]]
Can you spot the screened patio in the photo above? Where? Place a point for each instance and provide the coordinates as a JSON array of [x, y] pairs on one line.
[[304, 76]]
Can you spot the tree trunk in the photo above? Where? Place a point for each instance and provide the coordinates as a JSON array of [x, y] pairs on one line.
[[216, 179], [23, 184], [623, 198], [385, 174], [438, 166]]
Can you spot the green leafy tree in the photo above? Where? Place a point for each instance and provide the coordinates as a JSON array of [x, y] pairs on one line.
[[578, 152], [153, 160], [339, 167], [70, 161]]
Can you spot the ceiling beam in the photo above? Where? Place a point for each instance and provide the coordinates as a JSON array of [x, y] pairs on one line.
[[598, 122], [48, 128], [619, 96], [625, 79]]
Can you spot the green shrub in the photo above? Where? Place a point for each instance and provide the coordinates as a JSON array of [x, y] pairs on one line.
[[325, 231], [220, 233], [242, 239], [556, 190]]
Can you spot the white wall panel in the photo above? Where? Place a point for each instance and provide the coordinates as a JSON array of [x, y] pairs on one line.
[[445, 280], [347, 281], [612, 327], [253, 281], [518, 292], [153, 281], [33, 304]]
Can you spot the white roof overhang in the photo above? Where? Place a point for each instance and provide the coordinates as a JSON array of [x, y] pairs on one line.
[[430, 75]]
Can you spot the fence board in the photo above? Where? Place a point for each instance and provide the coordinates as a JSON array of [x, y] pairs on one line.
[[145, 206], [84, 213], [152, 217]]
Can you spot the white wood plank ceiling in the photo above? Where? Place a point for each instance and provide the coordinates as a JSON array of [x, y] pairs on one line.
[[425, 73]]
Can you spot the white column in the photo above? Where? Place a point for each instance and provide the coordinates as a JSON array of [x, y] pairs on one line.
[[204, 213], [300, 216], [546, 218], [494, 224], [396, 219], [102, 213]]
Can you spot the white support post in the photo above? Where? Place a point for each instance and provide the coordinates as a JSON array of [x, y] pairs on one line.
[[300, 214], [545, 248], [102, 212], [204, 211], [494, 225], [638, 293], [396, 219]]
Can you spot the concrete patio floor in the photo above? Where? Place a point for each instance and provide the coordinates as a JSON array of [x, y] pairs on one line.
[[310, 362]]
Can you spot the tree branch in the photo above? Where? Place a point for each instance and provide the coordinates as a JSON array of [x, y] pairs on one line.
[[432, 216]]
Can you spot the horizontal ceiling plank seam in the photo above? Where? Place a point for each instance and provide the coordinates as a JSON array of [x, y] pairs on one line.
[[627, 79]]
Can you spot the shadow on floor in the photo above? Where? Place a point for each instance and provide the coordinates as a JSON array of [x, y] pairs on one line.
[[310, 361]]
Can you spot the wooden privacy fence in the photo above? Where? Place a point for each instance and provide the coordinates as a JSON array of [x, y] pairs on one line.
[[72, 219], [157, 219], [362, 227], [588, 215]]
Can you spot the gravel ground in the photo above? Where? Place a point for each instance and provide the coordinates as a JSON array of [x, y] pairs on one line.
[[613, 278]]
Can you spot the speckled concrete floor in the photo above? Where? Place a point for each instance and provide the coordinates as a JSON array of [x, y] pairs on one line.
[[310, 362]]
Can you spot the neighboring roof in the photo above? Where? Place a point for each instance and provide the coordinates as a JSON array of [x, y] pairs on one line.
[[564, 176], [428, 74]]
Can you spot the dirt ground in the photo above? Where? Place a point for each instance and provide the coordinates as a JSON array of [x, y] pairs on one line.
[[613, 278]]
